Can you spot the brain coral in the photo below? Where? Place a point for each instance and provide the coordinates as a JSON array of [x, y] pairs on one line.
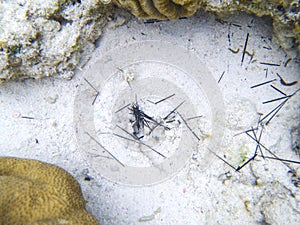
[[33, 192], [160, 9]]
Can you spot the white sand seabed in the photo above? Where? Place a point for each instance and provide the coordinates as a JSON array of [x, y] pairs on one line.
[[37, 121]]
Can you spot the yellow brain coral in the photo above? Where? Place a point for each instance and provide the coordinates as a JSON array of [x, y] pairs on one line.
[[160, 9], [33, 192]]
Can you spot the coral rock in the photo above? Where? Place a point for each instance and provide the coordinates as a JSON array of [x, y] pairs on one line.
[[33, 192], [41, 38]]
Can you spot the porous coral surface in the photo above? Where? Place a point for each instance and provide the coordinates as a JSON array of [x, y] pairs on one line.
[[42, 38]]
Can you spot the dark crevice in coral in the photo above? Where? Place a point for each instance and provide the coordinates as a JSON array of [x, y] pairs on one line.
[[74, 2], [63, 21]]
